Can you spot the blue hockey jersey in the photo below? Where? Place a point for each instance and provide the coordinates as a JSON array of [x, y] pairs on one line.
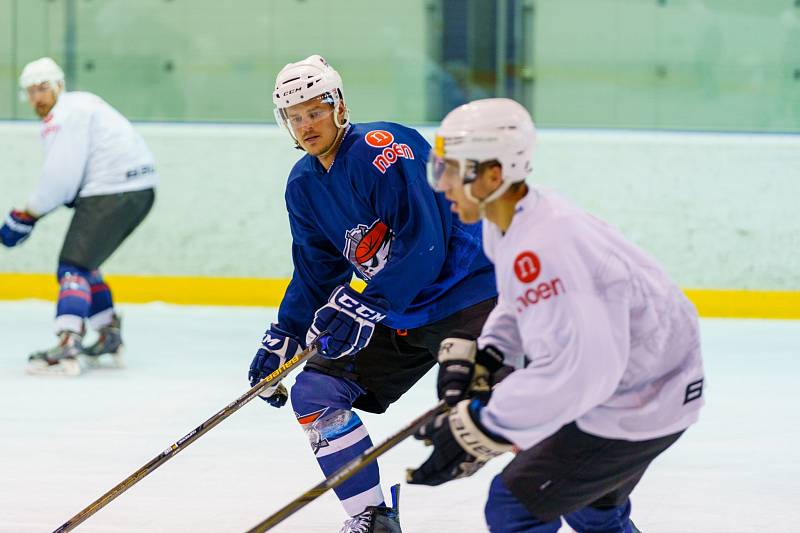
[[374, 214]]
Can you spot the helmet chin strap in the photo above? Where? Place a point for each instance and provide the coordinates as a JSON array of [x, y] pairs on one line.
[[338, 140], [336, 116], [482, 203]]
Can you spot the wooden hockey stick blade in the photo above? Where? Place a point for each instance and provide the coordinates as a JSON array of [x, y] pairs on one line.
[[347, 471], [281, 372]]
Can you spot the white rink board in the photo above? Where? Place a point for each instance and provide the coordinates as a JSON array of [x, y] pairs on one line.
[[717, 210], [64, 442]]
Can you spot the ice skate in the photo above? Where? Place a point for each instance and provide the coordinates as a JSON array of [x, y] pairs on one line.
[[106, 352], [377, 519], [59, 360]]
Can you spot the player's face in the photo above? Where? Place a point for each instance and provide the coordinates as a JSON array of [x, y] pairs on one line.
[[484, 184], [452, 184], [42, 98], [313, 126]]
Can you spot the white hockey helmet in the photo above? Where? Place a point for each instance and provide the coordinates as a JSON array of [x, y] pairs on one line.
[[306, 80], [40, 71], [493, 129]]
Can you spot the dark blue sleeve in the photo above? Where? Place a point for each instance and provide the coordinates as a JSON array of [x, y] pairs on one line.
[[318, 269], [405, 202]]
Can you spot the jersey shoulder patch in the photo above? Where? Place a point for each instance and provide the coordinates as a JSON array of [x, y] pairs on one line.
[[383, 147]]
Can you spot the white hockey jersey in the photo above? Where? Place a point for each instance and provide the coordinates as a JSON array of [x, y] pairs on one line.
[[609, 340], [90, 149]]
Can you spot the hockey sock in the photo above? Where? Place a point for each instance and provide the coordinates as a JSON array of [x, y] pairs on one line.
[[322, 404], [102, 309], [74, 298], [504, 512], [605, 520]]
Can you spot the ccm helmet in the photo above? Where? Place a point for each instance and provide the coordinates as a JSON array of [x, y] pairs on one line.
[[493, 129], [306, 80]]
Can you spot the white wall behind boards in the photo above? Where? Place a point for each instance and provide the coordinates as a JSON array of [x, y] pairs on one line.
[[719, 210]]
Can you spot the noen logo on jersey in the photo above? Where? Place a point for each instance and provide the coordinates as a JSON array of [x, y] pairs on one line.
[[527, 268], [368, 247], [50, 128], [391, 152], [379, 138]]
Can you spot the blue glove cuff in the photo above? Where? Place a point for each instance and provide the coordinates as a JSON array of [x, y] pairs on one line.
[[280, 331]]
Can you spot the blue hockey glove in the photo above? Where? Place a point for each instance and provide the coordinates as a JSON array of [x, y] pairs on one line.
[[17, 227], [276, 347], [349, 318], [461, 445]]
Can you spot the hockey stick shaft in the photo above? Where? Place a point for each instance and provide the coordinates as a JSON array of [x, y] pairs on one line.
[[347, 471], [270, 380]]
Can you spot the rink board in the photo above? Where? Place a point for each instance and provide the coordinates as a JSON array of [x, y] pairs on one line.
[[720, 303]]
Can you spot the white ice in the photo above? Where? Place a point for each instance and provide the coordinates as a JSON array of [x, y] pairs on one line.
[[65, 441]]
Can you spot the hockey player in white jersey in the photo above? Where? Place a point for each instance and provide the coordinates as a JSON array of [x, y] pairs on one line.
[[95, 162], [606, 345]]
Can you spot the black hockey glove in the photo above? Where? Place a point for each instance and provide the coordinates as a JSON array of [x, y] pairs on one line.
[[464, 370], [461, 445]]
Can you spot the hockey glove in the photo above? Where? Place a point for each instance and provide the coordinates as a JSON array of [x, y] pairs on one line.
[[464, 370], [461, 445], [17, 227], [275, 348], [349, 318]]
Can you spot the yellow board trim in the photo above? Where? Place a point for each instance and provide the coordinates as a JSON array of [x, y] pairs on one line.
[[729, 303], [268, 292], [170, 289]]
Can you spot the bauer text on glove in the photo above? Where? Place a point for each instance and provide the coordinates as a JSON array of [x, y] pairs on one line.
[[461, 445], [275, 348]]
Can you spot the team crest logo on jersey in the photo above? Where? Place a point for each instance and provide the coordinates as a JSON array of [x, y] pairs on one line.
[[368, 247]]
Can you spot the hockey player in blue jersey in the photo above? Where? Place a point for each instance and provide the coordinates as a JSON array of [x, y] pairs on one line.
[[359, 202]]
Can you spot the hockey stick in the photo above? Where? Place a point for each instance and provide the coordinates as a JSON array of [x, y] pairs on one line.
[[347, 471], [279, 373]]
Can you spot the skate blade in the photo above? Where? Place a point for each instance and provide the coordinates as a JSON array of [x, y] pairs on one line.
[[106, 361], [67, 367]]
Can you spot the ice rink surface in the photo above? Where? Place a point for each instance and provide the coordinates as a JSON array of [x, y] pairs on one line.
[[65, 441]]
